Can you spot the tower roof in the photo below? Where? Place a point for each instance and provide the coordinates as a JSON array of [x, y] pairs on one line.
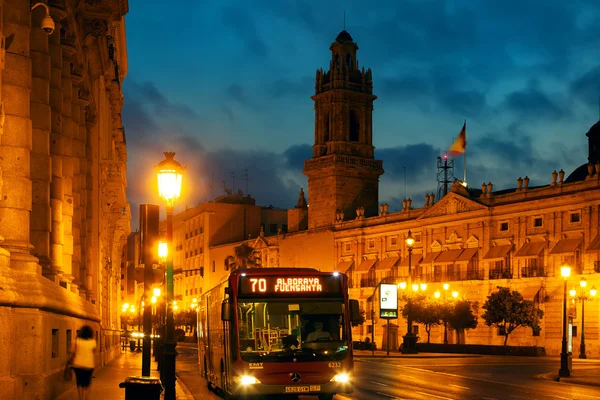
[[343, 37], [594, 130]]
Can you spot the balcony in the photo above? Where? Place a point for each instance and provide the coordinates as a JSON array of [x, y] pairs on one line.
[[532, 272], [368, 282], [500, 274]]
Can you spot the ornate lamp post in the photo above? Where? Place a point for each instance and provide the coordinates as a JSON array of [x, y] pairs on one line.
[[170, 174], [565, 272], [410, 341], [582, 297]]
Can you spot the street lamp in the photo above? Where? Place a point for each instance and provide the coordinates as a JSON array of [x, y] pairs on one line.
[[583, 297], [170, 175], [565, 272], [410, 341]]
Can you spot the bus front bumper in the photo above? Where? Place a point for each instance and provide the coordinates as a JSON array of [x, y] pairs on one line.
[[294, 389]]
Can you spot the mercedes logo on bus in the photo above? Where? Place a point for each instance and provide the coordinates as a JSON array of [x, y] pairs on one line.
[[295, 377]]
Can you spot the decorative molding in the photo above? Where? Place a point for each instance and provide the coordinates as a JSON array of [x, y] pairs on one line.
[[451, 204]]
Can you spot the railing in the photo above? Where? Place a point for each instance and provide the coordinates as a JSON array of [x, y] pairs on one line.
[[532, 272], [500, 274], [475, 274], [368, 282]]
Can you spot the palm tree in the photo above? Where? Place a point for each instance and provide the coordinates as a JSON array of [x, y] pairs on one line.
[[244, 256]]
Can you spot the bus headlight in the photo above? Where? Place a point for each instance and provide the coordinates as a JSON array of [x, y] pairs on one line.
[[246, 380], [341, 378]]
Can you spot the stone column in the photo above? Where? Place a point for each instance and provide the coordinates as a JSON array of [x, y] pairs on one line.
[[41, 164], [92, 242], [15, 152], [68, 48], [83, 193], [56, 143], [76, 78]]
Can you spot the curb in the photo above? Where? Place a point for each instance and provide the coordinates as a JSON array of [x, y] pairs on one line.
[[553, 376], [180, 387]]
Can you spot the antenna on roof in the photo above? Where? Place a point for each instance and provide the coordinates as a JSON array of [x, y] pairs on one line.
[[344, 19]]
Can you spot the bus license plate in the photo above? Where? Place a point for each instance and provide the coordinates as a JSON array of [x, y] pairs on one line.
[[302, 389]]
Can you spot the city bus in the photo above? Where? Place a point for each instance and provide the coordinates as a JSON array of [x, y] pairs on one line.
[[278, 332]]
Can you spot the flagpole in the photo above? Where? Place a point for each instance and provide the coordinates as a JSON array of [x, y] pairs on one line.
[[465, 156]]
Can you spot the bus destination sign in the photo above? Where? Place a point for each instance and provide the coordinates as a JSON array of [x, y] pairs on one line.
[[274, 285]]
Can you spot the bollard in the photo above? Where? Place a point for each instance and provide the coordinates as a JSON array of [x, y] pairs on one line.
[[142, 388]]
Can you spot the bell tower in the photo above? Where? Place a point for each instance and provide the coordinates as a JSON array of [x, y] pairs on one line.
[[342, 174]]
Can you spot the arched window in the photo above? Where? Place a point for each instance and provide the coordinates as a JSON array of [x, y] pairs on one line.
[[326, 137], [354, 127], [349, 61]]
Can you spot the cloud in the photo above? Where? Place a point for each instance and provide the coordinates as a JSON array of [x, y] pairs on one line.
[[244, 26], [295, 155], [532, 103], [148, 93], [418, 159], [587, 86]]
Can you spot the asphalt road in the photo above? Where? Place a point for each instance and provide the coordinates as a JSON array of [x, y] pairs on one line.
[[446, 378]]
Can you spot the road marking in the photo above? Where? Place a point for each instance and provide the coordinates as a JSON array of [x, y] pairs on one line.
[[386, 395], [458, 386], [433, 395], [378, 383]]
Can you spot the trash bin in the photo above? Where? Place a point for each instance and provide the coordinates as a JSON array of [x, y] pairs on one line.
[[142, 388]]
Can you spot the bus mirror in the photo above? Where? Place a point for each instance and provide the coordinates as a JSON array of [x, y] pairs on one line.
[[354, 311], [226, 311]]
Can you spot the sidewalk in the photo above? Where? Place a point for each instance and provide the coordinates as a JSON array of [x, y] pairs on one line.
[[397, 354], [105, 384], [580, 376]]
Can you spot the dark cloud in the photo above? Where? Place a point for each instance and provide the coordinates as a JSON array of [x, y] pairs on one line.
[[587, 87], [294, 156], [419, 160], [244, 26], [236, 92], [532, 103], [147, 93]]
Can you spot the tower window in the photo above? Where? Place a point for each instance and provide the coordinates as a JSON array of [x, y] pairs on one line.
[[354, 127], [349, 61], [326, 128]]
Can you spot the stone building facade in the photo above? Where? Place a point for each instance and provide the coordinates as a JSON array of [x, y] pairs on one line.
[[474, 239], [63, 211]]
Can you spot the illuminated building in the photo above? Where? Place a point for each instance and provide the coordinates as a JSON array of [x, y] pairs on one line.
[[476, 239], [63, 212]]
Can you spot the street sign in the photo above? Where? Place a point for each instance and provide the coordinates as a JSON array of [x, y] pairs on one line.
[[388, 301]]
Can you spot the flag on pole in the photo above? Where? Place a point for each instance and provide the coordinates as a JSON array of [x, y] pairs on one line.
[[460, 144]]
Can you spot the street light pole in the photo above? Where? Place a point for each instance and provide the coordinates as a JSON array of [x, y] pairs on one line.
[[565, 271], [446, 286], [410, 341], [169, 174]]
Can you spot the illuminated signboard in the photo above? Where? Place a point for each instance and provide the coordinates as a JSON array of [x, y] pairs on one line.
[[388, 301], [289, 285]]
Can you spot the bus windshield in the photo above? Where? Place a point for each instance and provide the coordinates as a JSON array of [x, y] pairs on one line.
[[292, 329]]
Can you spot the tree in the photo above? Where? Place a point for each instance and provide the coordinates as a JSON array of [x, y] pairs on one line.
[[186, 318], [428, 314], [462, 315], [506, 310], [362, 318], [244, 256]]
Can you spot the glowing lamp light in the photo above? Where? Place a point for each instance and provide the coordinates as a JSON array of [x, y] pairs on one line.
[[565, 271], [410, 241], [402, 285], [573, 292], [194, 300], [132, 308], [156, 292], [170, 174], [163, 251], [415, 287], [446, 286], [175, 307], [153, 300], [437, 294], [583, 282], [593, 291], [423, 286], [143, 304], [455, 294]]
